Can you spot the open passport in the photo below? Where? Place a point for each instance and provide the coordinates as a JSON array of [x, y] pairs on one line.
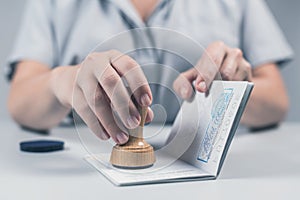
[[196, 145]]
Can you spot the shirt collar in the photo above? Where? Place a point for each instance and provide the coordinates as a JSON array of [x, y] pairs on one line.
[[128, 9]]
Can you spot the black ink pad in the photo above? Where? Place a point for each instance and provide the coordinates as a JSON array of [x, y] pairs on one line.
[[41, 146]]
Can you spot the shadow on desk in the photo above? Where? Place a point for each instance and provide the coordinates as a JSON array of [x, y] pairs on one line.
[[63, 163]]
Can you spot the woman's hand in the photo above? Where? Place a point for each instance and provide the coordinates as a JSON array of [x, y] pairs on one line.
[[217, 59], [98, 91]]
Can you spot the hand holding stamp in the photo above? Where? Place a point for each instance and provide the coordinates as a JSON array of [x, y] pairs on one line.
[[136, 153]]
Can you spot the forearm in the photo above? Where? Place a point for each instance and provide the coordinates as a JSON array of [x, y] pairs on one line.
[[33, 101], [268, 103]]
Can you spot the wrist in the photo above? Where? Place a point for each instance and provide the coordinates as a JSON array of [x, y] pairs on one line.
[[62, 83]]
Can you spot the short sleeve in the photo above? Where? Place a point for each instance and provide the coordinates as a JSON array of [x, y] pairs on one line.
[[35, 39], [262, 39]]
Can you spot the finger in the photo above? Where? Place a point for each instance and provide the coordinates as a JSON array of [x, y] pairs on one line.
[[105, 115], [117, 93], [230, 64], [149, 116], [133, 74], [99, 104], [209, 65], [183, 84], [244, 72], [84, 111]]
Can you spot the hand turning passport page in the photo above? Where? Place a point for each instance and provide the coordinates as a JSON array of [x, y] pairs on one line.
[[196, 145]]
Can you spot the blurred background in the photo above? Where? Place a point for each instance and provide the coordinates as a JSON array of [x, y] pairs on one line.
[[286, 13]]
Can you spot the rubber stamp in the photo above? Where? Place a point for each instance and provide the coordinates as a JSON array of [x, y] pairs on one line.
[[136, 153]]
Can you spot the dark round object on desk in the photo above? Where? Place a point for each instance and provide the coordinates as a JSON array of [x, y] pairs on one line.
[[39, 146]]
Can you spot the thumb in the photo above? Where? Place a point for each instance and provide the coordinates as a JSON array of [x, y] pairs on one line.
[[183, 85], [200, 84]]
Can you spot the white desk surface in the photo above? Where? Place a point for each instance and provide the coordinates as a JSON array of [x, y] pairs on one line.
[[262, 165]]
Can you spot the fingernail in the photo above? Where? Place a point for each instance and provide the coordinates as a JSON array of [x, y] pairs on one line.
[[133, 122], [183, 92], [145, 100], [151, 114], [122, 138], [202, 85]]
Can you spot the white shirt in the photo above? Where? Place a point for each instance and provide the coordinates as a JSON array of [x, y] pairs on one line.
[[63, 32]]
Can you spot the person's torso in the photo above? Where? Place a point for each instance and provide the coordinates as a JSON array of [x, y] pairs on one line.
[[180, 32]]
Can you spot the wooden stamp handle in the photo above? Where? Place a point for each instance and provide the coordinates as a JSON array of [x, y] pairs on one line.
[[136, 153], [143, 112], [138, 131]]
